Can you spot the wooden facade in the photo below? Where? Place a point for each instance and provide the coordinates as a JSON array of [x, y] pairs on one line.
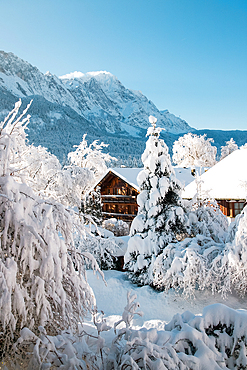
[[118, 197], [231, 208]]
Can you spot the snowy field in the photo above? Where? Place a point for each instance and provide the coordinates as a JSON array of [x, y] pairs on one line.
[[158, 308]]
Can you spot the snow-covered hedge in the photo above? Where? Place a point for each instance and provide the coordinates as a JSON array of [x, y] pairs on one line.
[[215, 339]]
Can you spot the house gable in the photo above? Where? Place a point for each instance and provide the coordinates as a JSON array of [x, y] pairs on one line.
[[118, 197]]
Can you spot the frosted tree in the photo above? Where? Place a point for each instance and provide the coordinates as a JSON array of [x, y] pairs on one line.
[[161, 217], [230, 147], [42, 275], [91, 156], [192, 150], [42, 171], [244, 146]]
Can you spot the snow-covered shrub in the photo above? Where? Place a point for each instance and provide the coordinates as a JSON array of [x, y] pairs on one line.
[[118, 227], [103, 249], [161, 218], [192, 263], [42, 351], [233, 265], [188, 266], [215, 339], [192, 150], [207, 219], [42, 275]]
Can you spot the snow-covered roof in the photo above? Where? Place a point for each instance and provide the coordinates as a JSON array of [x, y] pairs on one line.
[[184, 175], [130, 175], [225, 180]]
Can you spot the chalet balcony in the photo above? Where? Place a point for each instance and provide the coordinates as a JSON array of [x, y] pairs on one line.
[[118, 198], [122, 216]]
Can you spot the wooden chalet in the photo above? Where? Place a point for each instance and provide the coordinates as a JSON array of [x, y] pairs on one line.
[[226, 182], [119, 195], [119, 190]]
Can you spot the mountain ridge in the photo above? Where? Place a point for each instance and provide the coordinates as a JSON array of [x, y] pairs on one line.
[[97, 103]]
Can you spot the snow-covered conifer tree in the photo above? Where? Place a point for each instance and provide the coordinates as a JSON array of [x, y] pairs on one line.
[[161, 217], [92, 206], [230, 147]]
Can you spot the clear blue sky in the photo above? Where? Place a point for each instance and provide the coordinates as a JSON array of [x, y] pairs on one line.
[[187, 56]]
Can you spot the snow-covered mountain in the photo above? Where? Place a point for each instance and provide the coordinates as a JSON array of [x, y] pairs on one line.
[[64, 108], [98, 97], [69, 106], [116, 107]]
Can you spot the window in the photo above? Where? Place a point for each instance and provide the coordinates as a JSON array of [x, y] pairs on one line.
[[238, 207]]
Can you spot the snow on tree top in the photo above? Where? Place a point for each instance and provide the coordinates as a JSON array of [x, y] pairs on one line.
[[152, 120], [153, 130], [225, 180]]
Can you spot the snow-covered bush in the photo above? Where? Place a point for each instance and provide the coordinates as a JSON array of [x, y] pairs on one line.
[[233, 265], [118, 227], [42, 275], [207, 219], [66, 350], [161, 218], [230, 147], [192, 150], [215, 339], [103, 249], [188, 266]]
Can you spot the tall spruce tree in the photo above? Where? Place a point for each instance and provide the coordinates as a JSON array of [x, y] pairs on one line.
[[161, 217]]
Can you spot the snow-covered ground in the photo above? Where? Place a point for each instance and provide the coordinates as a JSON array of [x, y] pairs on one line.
[[157, 307]]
